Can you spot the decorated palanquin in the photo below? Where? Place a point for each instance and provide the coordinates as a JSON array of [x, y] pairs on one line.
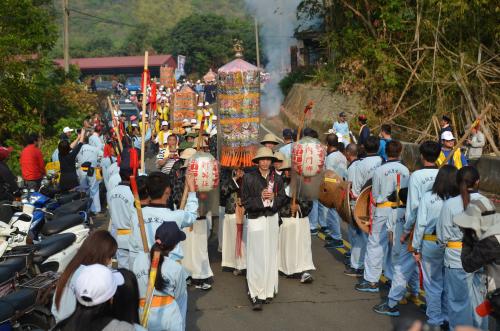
[[205, 171], [184, 106], [308, 157], [167, 76], [239, 110]]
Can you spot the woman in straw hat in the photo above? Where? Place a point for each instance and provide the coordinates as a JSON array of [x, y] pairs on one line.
[[262, 195]]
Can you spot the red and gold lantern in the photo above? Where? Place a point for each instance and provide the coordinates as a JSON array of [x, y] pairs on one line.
[[205, 170], [308, 157]]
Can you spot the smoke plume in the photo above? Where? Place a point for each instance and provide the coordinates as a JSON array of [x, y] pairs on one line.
[[277, 22]]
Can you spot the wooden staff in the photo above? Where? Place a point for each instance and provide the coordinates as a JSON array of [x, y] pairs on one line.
[[115, 127], [140, 217], [185, 193], [144, 96], [468, 132], [150, 289], [299, 131]]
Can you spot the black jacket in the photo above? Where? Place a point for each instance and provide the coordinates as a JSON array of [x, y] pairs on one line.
[[8, 182], [229, 192], [251, 194], [69, 177], [479, 253]]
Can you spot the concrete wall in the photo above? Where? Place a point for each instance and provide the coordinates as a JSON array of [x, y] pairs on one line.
[[327, 106]]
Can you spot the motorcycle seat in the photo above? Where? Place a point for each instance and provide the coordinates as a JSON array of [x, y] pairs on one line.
[[66, 197], [9, 268], [19, 300], [60, 223], [52, 245], [72, 208]]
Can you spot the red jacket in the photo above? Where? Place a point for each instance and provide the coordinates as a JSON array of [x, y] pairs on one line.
[[32, 165]]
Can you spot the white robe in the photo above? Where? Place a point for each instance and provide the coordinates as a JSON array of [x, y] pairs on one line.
[[195, 249], [229, 258], [262, 256], [295, 252]]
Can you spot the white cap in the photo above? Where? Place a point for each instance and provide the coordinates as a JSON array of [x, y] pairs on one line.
[[206, 103], [140, 114], [96, 284], [214, 118], [200, 104], [132, 92], [185, 120], [447, 135], [163, 123], [207, 113], [193, 121], [67, 129], [135, 125]]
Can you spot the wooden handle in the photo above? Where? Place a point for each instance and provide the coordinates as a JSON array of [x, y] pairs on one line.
[[140, 217], [150, 289], [143, 126]]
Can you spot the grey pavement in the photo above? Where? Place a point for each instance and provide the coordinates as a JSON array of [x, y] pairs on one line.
[[329, 303]]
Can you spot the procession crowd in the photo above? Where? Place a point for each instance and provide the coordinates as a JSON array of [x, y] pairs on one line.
[[431, 226]]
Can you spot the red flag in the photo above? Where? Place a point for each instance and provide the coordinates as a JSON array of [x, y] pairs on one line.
[[152, 97]]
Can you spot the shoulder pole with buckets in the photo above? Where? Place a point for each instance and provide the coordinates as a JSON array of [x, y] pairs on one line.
[[144, 83], [308, 107], [115, 125], [468, 132]]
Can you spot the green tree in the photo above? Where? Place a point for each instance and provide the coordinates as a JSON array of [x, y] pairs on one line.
[[207, 41]]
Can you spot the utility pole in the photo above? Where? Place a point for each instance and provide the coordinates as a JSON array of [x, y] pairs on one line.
[[66, 35], [257, 41]]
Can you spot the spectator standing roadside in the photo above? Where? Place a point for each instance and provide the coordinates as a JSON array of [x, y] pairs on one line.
[[31, 161], [342, 127], [8, 182], [385, 137], [475, 145], [364, 130], [288, 139], [445, 125]]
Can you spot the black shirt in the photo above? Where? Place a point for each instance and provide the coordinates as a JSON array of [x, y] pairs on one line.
[[251, 194], [8, 182], [69, 178]]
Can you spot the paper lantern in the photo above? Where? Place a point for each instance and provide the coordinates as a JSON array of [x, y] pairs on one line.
[[205, 170], [308, 157]]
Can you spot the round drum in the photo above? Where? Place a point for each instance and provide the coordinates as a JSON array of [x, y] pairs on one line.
[[363, 209], [330, 188]]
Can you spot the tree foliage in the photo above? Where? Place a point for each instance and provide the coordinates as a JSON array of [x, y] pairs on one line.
[[207, 40], [375, 45], [34, 95]]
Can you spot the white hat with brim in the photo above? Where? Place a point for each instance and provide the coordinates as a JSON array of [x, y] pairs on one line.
[[96, 284], [67, 129], [164, 123], [447, 135], [264, 153], [286, 165], [200, 104], [270, 138], [187, 153], [479, 217], [330, 131], [214, 118], [193, 121], [280, 157]]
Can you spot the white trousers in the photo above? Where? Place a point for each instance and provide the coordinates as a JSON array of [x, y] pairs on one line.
[[229, 234], [295, 246], [262, 256], [196, 251]]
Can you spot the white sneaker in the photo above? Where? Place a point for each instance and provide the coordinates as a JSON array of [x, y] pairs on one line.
[[306, 278]]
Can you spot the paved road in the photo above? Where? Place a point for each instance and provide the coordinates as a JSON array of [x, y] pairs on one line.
[[329, 303]]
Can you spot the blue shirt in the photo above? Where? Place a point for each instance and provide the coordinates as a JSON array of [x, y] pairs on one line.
[[381, 149]]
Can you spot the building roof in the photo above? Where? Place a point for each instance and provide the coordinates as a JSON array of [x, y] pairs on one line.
[[118, 61]]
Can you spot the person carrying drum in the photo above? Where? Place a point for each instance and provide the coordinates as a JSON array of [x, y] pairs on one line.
[[387, 179]]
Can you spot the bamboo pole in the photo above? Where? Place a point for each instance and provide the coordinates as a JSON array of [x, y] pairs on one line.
[[115, 127], [140, 216], [468, 132], [143, 126]]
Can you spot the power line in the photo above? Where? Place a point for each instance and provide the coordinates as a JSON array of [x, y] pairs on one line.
[[103, 20]]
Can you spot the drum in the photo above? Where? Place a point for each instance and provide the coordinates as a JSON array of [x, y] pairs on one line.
[[329, 189], [363, 209]]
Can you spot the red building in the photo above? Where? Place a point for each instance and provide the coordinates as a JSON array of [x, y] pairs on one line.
[[116, 65]]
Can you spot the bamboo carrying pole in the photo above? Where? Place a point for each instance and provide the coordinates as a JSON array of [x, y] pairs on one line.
[[150, 289], [143, 126], [115, 127], [468, 132], [299, 132], [140, 217]]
